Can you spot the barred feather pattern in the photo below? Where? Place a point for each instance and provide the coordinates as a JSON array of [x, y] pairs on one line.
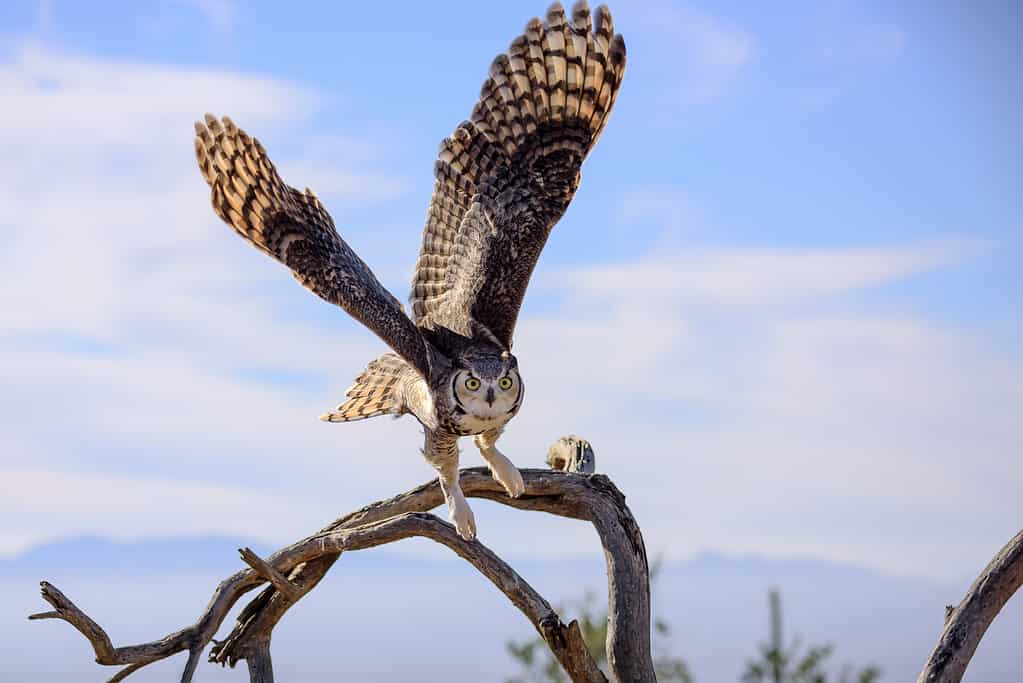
[[506, 176], [294, 228], [381, 389]]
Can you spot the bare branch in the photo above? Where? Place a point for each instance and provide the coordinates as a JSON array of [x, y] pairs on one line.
[[129, 670], [279, 581], [295, 570], [258, 618], [69, 612], [192, 638], [966, 623], [193, 661], [592, 498]]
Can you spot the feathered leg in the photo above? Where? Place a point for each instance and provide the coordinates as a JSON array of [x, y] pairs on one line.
[[441, 451], [502, 468]]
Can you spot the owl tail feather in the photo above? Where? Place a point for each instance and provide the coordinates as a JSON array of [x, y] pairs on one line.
[[377, 391]]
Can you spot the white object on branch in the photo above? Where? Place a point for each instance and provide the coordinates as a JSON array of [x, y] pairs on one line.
[[572, 454]]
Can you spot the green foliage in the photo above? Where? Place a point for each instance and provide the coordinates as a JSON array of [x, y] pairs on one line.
[[538, 662], [776, 662], [540, 666], [780, 664]]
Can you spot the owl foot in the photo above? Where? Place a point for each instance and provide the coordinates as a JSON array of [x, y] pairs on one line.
[[462, 517], [511, 480], [503, 470]]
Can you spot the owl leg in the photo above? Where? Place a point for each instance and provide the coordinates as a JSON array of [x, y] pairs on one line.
[[501, 467], [441, 451]]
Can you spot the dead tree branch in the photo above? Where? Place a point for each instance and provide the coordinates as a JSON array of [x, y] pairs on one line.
[[966, 623], [295, 570]]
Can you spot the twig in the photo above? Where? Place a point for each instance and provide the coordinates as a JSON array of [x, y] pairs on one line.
[[279, 581]]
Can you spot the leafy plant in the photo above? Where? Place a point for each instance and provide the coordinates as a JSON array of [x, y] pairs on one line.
[[540, 666], [780, 664]]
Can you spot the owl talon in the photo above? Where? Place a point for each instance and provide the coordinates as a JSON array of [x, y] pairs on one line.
[[463, 519], [512, 482], [502, 469]]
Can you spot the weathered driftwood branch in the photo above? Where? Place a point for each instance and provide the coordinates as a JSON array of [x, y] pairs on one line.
[[295, 570], [966, 623], [279, 581]]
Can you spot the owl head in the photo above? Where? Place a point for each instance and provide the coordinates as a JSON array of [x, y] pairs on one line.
[[486, 385]]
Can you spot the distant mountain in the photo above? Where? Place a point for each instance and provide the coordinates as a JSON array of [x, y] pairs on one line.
[[217, 555], [718, 564], [89, 555], [92, 555]]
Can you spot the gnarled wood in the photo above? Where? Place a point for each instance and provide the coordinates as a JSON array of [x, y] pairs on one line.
[[966, 623], [299, 567]]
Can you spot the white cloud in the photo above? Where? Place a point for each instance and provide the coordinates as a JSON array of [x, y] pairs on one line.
[[743, 404], [719, 44], [703, 53], [221, 14], [139, 332], [77, 101], [109, 219], [842, 53], [761, 275], [329, 181], [735, 394]]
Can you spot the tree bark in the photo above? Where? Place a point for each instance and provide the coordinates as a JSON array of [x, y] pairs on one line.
[[292, 572], [966, 623], [261, 668]]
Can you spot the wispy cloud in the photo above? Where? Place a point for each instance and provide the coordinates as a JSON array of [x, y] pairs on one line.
[[703, 54], [753, 398], [222, 15], [133, 318], [757, 276], [842, 52], [735, 377], [328, 181], [83, 102]]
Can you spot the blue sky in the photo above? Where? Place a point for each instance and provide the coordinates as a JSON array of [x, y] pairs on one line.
[[784, 305]]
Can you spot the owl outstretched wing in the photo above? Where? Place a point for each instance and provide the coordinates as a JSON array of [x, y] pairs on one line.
[[505, 177], [294, 228]]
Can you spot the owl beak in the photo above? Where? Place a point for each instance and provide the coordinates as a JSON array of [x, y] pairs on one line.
[[490, 396]]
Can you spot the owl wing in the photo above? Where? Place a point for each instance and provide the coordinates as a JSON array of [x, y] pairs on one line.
[[294, 228], [504, 178]]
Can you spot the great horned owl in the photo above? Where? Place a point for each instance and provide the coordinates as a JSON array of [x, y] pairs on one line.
[[503, 179], [572, 454]]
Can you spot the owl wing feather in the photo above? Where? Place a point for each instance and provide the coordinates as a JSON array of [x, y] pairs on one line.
[[294, 228], [506, 176], [381, 389]]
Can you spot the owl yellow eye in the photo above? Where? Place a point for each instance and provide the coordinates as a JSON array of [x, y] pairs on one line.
[[472, 384], [504, 383]]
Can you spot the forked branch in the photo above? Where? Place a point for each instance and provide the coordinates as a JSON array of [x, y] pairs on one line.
[[292, 572]]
